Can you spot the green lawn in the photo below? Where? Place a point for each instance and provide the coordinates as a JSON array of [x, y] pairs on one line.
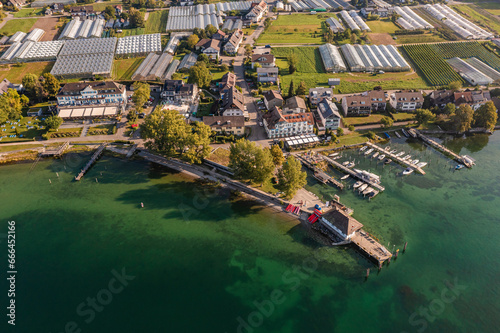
[[308, 58], [484, 19], [99, 7], [15, 73], [5, 149], [217, 74], [27, 12], [124, 68], [295, 29], [131, 32], [220, 155], [356, 121], [157, 22], [403, 116], [382, 26], [491, 7], [14, 26], [25, 134]]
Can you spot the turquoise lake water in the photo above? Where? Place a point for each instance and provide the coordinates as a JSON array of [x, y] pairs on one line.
[[200, 260]]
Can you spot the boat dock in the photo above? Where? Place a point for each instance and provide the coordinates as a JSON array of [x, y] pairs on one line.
[[353, 173], [131, 151], [441, 148], [55, 152], [94, 158], [370, 246], [320, 174], [396, 158]]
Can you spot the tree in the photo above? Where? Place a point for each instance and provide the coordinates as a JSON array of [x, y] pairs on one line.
[[224, 67], [210, 30], [455, 85], [301, 89], [50, 85], [291, 90], [24, 100], [278, 157], [109, 13], [200, 75], [292, 61], [486, 116], [250, 162], [248, 50], [203, 58], [387, 121], [340, 131], [449, 109], [141, 94], [53, 122], [30, 81], [198, 142], [132, 116], [136, 18], [10, 105], [463, 118], [423, 116], [351, 128], [291, 177], [192, 41]]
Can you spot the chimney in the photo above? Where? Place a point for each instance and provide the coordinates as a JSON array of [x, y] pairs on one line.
[[218, 122]]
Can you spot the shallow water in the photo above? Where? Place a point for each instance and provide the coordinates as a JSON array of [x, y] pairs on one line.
[[204, 261]]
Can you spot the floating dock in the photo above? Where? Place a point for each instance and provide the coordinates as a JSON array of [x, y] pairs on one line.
[[396, 158], [460, 159], [94, 158]]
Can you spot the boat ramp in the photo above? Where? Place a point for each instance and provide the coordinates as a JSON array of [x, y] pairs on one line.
[[93, 159], [396, 159]]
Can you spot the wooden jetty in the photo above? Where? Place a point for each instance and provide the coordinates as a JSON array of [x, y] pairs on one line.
[[396, 158], [353, 173], [370, 246], [132, 150], [94, 158], [319, 174], [441, 148], [55, 152]]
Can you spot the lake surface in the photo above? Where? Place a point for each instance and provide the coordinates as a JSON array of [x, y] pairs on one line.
[[198, 259]]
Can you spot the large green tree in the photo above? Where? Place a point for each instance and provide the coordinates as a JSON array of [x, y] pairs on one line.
[[278, 157], [424, 116], [30, 82], [463, 118], [53, 122], [291, 177], [192, 41], [141, 95], [200, 75], [301, 89], [136, 18], [486, 116], [455, 85], [109, 13], [387, 121], [292, 61], [10, 105], [291, 90], [250, 162], [50, 85], [449, 109], [210, 30]]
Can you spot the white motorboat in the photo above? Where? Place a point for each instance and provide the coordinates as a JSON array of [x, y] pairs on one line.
[[421, 164], [400, 154], [376, 154], [387, 148], [397, 134], [393, 151], [363, 148], [369, 151], [381, 157], [362, 187], [351, 165], [406, 157], [405, 133], [368, 176], [333, 155], [345, 177], [345, 163], [367, 190], [407, 171], [357, 184], [414, 162]]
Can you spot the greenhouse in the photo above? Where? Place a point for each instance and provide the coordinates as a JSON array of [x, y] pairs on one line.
[[232, 25], [235, 5], [140, 44], [160, 66], [35, 35], [11, 51], [18, 37], [44, 51], [470, 73], [143, 70], [335, 25], [188, 61], [484, 68], [71, 29], [409, 20], [171, 70], [190, 17], [23, 50], [332, 59], [92, 45], [369, 58], [359, 21], [349, 21], [353, 60], [320, 5]]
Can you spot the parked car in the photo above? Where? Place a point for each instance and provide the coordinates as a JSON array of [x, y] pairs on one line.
[[142, 115]]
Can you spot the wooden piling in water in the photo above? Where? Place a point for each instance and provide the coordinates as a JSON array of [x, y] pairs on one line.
[[367, 273], [404, 249]]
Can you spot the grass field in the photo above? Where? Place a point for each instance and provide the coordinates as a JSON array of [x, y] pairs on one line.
[[157, 22], [27, 12], [25, 134], [131, 32], [356, 121], [295, 29], [15, 73], [403, 116], [220, 155], [217, 74], [428, 37], [491, 7], [382, 26], [308, 58], [483, 19], [14, 26], [124, 68], [99, 7], [5, 149]]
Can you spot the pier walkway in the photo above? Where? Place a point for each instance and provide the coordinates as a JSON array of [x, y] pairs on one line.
[[132, 150], [321, 172], [55, 152], [94, 158], [352, 173], [441, 148], [396, 158], [370, 246]]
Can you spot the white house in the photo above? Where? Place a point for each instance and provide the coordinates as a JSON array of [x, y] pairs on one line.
[[407, 100], [329, 115], [92, 93], [234, 42], [279, 125], [257, 11]]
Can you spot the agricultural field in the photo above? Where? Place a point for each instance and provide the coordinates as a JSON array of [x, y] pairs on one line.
[[382, 26], [428, 37], [28, 12], [124, 68], [433, 68], [156, 22], [295, 29], [99, 7], [308, 58], [14, 26], [467, 50], [480, 17], [381, 39], [490, 7], [131, 32], [15, 72]]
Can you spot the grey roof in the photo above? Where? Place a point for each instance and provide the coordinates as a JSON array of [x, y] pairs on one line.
[[139, 44], [469, 73], [326, 109]]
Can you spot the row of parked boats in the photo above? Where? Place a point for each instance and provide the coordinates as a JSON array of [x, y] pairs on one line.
[[365, 189], [395, 153]]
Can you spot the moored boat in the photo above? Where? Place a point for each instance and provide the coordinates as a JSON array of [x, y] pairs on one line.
[[405, 133], [460, 166], [414, 162], [362, 187], [421, 164], [381, 157], [367, 190], [397, 134], [357, 184], [369, 151], [407, 171], [345, 163], [376, 154], [350, 165], [363, 148], [345, 177]]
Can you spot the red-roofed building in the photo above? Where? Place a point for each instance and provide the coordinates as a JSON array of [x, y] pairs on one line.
[[279, 125]]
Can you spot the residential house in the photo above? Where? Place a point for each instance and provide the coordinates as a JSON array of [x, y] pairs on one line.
[[234, 42], [219, 35], [264, 60], [226, 124], [227, 82], [319, 94], [180, 92], [377, 99], [210, 47], [17, 3], [6, 85], [272, 99], [473, 98], [294, 104], [267, 74], [118, 10], [82, 11], [233, 104], [329, 116], [257, 11], [339, 222], [92, 93], [407, 101], [279, 125], [440, 98]]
